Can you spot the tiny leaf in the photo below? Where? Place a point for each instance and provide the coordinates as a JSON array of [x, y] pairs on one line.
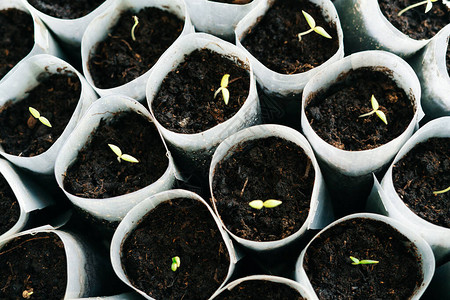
[[256, 204], [226, 95], [271, 203], [429, 6], [34, 112], [309, 19], [224, 81], [129, 158], [217, 92], [368, 262], [174, 267], [374, 102], [355, 260], [322, 32], [116, 150], [382, 116], [177, 260], [45, 121]]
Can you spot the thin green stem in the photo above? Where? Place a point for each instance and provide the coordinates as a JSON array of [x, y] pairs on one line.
[[304, 33]]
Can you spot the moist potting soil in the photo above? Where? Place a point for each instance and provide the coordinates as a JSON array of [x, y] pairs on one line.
[[415, 22], [183, 228], [17, 38], [119, 59], [333, 276], [262, 169], [33, 263], [56, 98], [260, 290], [66, 9], [274, 41], [422, 171], [185, 102], [9, 206], [334, 114], [97, 173]]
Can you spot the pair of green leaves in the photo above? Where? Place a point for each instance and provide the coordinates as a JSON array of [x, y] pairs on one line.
[[224, 89], [259, 204], [375, 110], [35, 113], [120, 155], [312, 24], [363, 262], [176, 262]]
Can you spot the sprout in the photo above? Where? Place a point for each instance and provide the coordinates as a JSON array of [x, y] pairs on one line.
[[258, 204], [27, 293], [375, 107], [429, 4], [136, 22], [38, 116], [363, 262], [119, 154], [441, 191], [176, 262], [312, 23], [223, 88]]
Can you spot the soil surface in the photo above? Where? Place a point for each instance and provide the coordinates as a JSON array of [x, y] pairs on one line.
[[415, 22], [274, 41], [329, 268], [56, 98], [270, 168], [9, 206], [185, 102], [334, 113], [17, 38], [423, 170], [183, 228], [260, 290], [97, 173], [66, 9], [33, 263], [118, 59], [233, 1]]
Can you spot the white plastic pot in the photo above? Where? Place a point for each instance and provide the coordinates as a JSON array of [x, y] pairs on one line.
[[320, 212], [16, 87], [98, 30], [114, 208], [425, 254], [131, 220]]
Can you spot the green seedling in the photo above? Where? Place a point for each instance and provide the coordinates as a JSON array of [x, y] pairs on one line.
[[34, 112], [429, 4], [136, 22], [442, 191], [375, 107], [363, 262], [120, 156], [312, 23], [175, 263], [258, 204], [224, 89]]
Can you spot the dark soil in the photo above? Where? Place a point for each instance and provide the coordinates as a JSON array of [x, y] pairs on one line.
[[183, 228], [270, 168], [8, 206], [96, 173], [332, 275], [423, 170], [275, 44], [66, 9], [17, 38], [34, 263], [56, 98], [415, 22], [185, 102], [334, 113], [233, 1], [118, 59], [260, 290]]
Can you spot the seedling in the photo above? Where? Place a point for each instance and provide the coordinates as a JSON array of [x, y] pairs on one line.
[[363, 262], [312, 23], [125, 157], [258, 204], [34, 112], [27, 293], [442, 191], [136, 22], [224, 89], [429, 4], [175, 263], [375, 110]]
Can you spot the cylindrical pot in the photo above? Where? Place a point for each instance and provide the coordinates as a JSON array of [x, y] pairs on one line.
[[274, 82], [135, 216], [385, 200], [197, 149], [217, 18], [114, 208], [320, 212], [25, 79], [423, 251], [431, 68], [98, 31], [264, 278], [124, 296], [43, 40]]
